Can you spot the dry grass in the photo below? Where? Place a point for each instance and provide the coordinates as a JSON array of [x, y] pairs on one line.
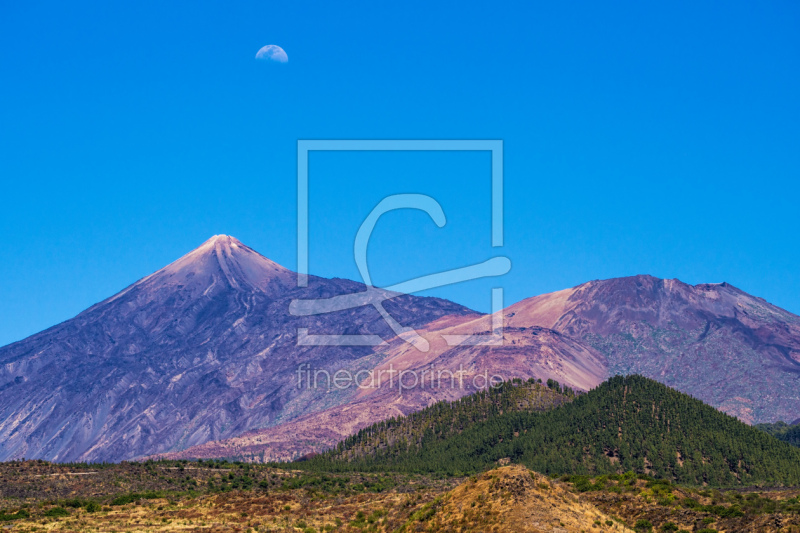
[[171, 496]]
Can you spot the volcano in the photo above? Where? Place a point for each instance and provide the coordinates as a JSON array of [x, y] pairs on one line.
[[203, 349]]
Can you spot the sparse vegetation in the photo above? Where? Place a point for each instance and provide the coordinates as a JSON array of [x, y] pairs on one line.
[[133, 497]]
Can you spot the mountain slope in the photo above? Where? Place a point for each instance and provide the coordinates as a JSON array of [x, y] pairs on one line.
[[203, 349], [525, 353], [734, 351], [628, 423], [318, 432]]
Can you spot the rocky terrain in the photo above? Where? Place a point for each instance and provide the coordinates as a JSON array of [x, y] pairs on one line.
[[526, 352]]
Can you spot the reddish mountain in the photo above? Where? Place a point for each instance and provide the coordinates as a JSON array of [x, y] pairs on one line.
[[734, 351], [203, 349]]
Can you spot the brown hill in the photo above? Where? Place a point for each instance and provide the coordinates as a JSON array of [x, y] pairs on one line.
[[513, 498]]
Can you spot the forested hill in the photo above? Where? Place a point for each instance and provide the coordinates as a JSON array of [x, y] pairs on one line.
[[627, 423], [783, 431], [446, 419]]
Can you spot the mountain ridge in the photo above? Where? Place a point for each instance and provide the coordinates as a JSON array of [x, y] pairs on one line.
[[735, 351]]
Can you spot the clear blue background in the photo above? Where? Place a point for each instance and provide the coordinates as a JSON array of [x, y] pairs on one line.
[[638, 139]]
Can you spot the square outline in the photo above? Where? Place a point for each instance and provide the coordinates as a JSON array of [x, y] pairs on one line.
[[304, 146]]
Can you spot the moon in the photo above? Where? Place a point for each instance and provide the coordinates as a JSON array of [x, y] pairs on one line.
[[272, 52]]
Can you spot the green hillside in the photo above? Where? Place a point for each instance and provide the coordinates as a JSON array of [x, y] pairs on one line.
[[783, 431], [446, 419], [626, 424]]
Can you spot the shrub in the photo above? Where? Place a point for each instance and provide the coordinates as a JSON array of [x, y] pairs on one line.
[[75, 503], [124, 499], [16, 516], [56, 512]]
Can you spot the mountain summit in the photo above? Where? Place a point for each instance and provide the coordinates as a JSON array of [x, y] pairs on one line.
[[219, 264], [202, 349], [224, 259]]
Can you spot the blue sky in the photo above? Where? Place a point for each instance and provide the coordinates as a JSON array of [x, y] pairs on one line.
[[638, 139]]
